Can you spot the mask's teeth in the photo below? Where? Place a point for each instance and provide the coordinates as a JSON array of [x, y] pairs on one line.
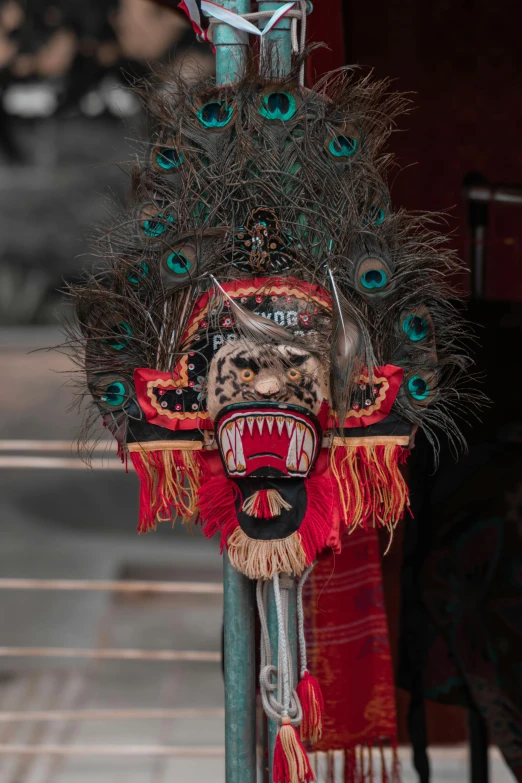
[[270, 423], [308, 445], [227, 449], [260, 421], [250, 423], [300, 431], [240, 425], [280, 423], [239, 454], [303, 463], [291, 458], [289, 426]]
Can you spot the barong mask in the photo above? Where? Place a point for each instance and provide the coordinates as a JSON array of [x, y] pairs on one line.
[[266, 334]]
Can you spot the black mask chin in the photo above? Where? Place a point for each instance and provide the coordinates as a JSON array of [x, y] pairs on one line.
[[292, 490]]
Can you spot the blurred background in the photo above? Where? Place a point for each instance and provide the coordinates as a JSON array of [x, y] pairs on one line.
[[68, 126]]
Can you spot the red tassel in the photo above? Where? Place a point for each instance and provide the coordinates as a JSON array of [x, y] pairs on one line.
[[265, 504], [312, 703], [291, 763]]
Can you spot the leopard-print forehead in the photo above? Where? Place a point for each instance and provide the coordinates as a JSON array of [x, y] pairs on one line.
[[243, 371]]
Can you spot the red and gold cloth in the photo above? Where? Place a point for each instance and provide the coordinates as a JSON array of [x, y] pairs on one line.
[[349, 653]]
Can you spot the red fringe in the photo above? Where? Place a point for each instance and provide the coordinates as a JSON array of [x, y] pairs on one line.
[[217, 496], [312, 702], [316, 526], [217, 506], [147, 506], [168, 480]]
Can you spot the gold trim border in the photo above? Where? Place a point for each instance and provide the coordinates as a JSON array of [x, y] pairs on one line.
[[166, 445]]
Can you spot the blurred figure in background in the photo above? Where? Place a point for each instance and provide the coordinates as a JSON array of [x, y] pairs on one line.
[[65, 68]]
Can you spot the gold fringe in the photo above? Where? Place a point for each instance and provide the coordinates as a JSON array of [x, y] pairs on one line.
[[372, 489], [372, 440], [262, 559], [181, 484]]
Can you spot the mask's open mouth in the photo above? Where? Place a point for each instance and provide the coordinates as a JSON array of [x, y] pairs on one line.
[[268, 439]]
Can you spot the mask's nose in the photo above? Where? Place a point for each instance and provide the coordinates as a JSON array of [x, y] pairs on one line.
[[267, 387]]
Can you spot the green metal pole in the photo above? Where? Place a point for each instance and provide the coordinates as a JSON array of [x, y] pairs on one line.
[[231, 45], [278, 45], [240, 676], [239, 600], [292, 640]]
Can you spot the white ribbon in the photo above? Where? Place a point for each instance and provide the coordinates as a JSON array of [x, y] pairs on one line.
[[234, 20]]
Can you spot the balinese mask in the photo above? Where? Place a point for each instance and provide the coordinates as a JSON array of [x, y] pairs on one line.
[[267, 334]]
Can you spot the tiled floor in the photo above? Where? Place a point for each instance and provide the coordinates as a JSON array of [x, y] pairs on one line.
[[80, 524]]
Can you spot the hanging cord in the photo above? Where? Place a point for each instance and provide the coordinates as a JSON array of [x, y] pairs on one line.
[[280, 678], [296, 15], [303, 661]]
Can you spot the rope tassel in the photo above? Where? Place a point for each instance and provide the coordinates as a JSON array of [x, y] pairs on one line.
[[265, 504], [312, 704], [291, 763]]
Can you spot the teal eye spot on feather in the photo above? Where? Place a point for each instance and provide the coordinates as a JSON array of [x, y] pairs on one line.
[[168, 158], [120, 336], [418, 388], [215, 115], [374, 278], [343, 146], [154, 226], [138, 274], [278, 106], [378, 216], [415, 327], [178, 263], [114, 395]]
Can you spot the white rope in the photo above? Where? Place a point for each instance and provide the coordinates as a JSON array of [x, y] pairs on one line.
[[303, 662], [277, 678]]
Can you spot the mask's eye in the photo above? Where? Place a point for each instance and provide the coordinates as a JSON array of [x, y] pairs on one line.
[[247, 376], [293, 375], [373, 276]]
